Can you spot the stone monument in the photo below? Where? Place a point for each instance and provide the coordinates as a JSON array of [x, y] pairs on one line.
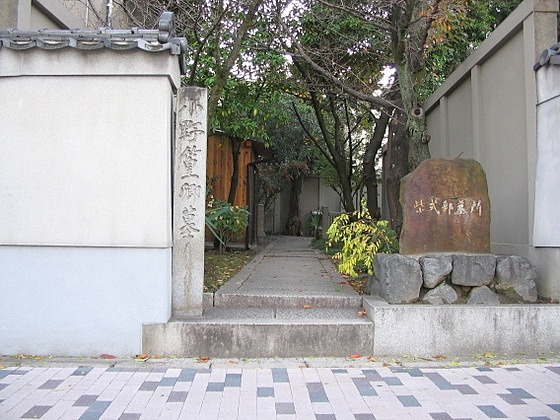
[[445, 243], [446, 208]]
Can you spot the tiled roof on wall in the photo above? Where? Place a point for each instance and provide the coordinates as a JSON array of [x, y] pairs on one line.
[[151, 40]]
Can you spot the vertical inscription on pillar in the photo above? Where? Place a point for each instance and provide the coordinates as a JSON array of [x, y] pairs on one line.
[[189, 202]]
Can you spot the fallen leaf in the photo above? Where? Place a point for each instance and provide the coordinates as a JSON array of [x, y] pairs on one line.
[[371, 359], [343, 283], [362, 312], [232, 362], [107, 356], [439, 357], [355, 356], [2, 367], [426, 359], [142, 356], [385, 364], [203, 359], [307, 306]]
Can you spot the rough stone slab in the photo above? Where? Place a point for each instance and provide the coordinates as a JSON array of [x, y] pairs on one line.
[[527, 291], [473, 270], [446, 208], [454, 330], [483, 296], [515, 272], [259, 338], [443, 294], [435, 269], [399, 277]]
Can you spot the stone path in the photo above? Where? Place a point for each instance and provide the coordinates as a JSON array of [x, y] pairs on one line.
[[289, 273], [282, 390]]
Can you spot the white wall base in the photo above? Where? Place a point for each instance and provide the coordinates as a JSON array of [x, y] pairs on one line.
[[81, 301], [547, 262]]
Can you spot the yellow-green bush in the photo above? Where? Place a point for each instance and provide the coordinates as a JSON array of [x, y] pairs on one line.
[[359, 238]]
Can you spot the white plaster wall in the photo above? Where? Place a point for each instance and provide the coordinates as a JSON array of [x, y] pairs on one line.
[[85, 161], [546, 229], [103, 62], [547, 261], [81, 301], [85, 199]]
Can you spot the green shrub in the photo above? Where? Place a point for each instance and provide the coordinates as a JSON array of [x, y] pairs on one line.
[[359, 238], [226, 221]]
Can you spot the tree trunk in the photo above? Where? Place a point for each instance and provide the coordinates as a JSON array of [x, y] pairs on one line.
[[235, 151], [416, 119], [368, 167], [397, 167], [411, 25], [294, 225]]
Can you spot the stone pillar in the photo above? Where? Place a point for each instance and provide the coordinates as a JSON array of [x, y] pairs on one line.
[[325, 221], [260, 223], [189, 202]]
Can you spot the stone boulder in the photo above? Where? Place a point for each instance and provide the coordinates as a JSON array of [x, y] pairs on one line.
[[473, 270], [483, 296], [443, 294], [446, 208], [516, 273], [435, 269], [398, 278]]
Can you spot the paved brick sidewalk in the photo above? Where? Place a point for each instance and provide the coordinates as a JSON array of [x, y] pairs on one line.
[[527, 391]]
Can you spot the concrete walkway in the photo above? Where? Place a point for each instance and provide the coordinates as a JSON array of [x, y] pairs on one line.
[[288, 273]]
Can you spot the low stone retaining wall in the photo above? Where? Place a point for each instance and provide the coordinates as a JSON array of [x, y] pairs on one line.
[[462, 278], [455, 330]]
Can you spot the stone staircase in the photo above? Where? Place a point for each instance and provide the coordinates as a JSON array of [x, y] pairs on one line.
[[288, 302], [265, 327]]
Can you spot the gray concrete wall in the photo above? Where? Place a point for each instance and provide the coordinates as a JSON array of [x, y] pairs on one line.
[[486, 110]]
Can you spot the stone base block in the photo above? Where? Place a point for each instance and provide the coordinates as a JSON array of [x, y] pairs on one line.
[[259, 338], [455, 330]]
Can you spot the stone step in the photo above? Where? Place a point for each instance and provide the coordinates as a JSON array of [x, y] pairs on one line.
[[286, 300], [281, 313], [262, 332]]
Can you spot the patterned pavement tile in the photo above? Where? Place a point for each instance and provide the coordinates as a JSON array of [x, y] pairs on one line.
[[523, 391]]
